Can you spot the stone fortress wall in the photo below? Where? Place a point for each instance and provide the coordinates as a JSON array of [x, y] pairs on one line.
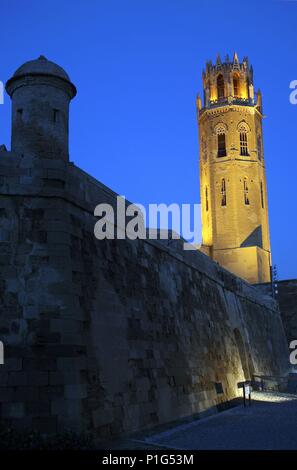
[[285, 295], [113, 336]]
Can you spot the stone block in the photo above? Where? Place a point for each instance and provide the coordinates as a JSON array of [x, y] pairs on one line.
[[12, 364], [59, 238], [16, 379], [6, 394], [75, 391], [30, 312], [45, 425], [3, 378], [38, 378], [63, 377], [39, 364], [21, 424], [51, 392], [102, 417], [13, 410], [25, 394], [37, 408], [68, 363]]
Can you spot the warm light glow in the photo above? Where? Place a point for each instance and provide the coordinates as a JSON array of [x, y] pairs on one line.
[[206, 236], [228, 221], [213, 93], [243, 92], [273, 397]]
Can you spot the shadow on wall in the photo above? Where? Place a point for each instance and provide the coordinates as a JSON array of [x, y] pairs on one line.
[[246, 360]]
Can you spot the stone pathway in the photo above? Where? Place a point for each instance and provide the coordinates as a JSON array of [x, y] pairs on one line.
[[270, 423]]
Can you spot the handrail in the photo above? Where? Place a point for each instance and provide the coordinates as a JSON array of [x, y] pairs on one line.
[[272, 377], [270, 382]]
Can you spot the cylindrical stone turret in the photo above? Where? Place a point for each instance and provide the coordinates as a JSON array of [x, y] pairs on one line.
[[40, 92]]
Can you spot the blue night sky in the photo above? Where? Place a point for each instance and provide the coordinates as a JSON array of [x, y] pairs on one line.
[[137, 66]]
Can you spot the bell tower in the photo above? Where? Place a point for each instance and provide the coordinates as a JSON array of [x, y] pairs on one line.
[[235, 229]]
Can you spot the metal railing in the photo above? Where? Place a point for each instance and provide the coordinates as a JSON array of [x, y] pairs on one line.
[[229, 100], [270, 383]]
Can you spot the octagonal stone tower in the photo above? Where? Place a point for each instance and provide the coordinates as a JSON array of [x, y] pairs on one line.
[[41, 92], [235, 228]]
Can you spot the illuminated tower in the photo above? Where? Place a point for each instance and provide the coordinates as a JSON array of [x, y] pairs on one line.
[[235, 230]]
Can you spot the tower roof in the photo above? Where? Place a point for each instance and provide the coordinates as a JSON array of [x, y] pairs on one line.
[[37, 71], [41, 66]]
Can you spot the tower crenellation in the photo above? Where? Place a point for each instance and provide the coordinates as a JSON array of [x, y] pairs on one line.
[[231, 81]]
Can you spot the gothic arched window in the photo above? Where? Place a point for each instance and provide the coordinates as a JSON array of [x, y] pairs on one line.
[[246, 192], [262, 195], [236, 86], [220, 131], [259, 147], [223, 193], [206, 198], [243, 130], [220, 87], [244, 144], [222, 145]]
